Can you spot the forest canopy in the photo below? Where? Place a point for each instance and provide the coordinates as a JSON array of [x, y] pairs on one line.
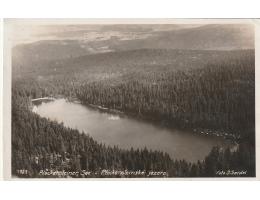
[[202, 90]]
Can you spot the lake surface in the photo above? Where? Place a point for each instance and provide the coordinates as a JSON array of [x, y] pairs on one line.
[[126, 132]]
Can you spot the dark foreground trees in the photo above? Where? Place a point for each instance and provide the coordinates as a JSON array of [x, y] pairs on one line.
[[40, 146]]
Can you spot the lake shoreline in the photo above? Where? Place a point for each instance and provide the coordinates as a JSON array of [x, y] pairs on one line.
[[113, 127], [202, 131], [163, 123]]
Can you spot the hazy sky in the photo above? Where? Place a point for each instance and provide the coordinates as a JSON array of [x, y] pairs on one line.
[[25, 33]]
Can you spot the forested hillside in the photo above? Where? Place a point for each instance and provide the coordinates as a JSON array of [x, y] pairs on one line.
[[205, 90], [43, 148]]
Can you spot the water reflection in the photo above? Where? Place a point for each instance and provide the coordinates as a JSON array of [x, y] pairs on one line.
[[118, 129]]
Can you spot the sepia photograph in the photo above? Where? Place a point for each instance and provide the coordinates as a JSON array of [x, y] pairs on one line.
[[131, 99]]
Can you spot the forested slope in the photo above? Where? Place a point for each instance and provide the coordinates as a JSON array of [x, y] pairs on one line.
[[216, 94], [193, 89], [43, 148]]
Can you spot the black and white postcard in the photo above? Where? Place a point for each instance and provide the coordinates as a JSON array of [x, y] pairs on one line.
[[144, 99]]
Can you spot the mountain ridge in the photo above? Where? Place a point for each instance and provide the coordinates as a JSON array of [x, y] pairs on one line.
[[207, 37]]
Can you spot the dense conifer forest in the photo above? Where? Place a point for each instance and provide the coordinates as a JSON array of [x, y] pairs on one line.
[[216, 95]]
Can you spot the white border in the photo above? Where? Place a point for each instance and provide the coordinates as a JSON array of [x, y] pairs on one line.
[[125, 190], [1, 99], [130, 9]]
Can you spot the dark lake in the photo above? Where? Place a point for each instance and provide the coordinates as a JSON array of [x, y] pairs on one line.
[[126, 132]]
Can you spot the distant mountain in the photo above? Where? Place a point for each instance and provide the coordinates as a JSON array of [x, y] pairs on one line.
[[49, 50], [207, 37], [130, 61], [213, 37]]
